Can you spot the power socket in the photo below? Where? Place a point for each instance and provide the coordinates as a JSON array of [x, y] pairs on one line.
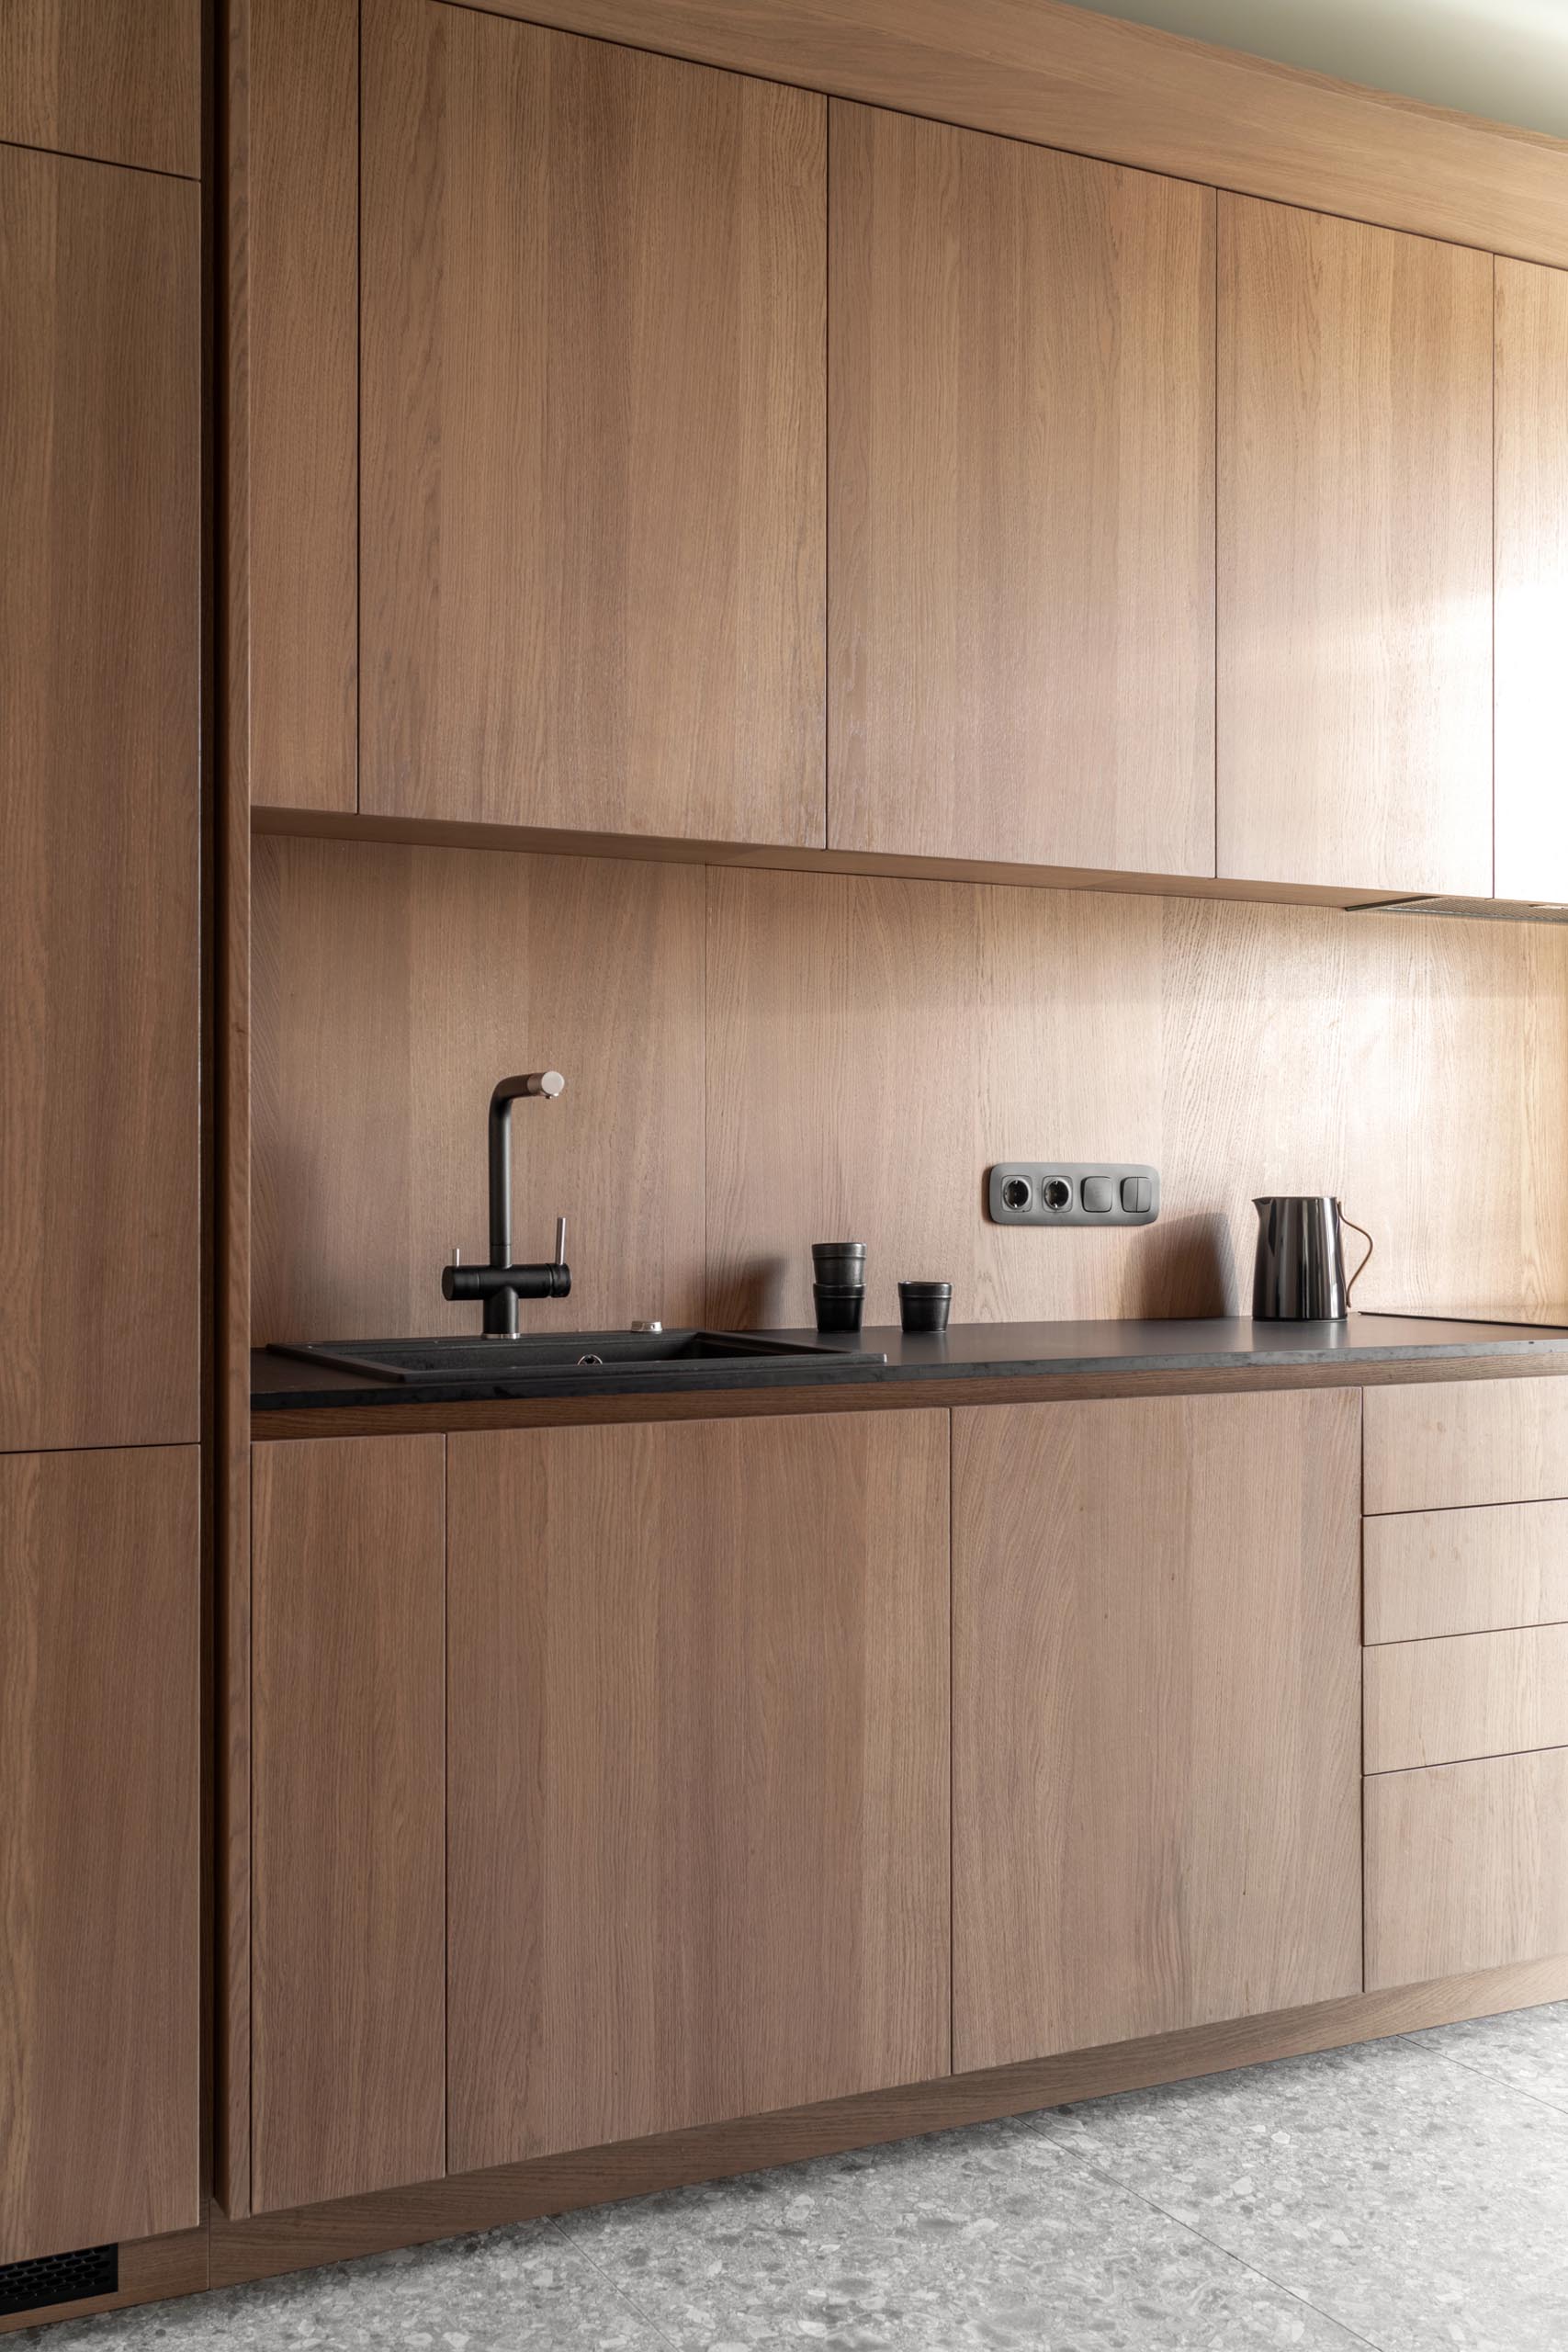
[[1073, 1191]]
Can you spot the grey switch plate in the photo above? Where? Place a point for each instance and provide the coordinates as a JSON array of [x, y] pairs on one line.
[[1054, 1191]]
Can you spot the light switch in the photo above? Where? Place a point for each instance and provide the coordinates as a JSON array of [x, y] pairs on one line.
[[1098, 1194], [1135, 1195]]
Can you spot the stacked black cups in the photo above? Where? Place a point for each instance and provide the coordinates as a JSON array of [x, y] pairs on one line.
[[838, 1287]]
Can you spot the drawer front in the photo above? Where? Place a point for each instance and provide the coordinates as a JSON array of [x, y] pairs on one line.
[[1467, 1868], [1429, 1572], [1472, 1694], [1457, 1442]]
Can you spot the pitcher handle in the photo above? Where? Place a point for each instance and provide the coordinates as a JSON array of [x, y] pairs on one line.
[[1366, 1260]]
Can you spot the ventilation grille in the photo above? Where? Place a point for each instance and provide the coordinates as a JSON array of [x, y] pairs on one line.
[[1477, 909], [59, 2278]]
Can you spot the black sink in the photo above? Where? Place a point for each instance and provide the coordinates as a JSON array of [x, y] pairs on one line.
[[578, 1353]]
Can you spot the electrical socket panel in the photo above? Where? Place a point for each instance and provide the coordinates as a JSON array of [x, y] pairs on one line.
[[1073, 1191]]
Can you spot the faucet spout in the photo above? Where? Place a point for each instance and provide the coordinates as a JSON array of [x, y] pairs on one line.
[[544, 1083], [501, 1285]]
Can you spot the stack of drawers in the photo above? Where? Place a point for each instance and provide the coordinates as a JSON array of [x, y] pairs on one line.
[[1466, 1676]]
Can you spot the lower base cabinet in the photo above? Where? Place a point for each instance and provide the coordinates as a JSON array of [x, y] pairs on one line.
[[698, 1820], [1156, 1736], [100, 2026], [1467, 1867]]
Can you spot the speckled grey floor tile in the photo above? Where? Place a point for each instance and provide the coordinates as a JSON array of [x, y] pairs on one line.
[[1527, 2048], [1421, 2202], [983, 2238], [521, 2289]]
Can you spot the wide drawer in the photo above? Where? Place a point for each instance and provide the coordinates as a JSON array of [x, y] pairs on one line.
[[1429, 1572], [1456, 1441], [1467, 1867], [1472, 1694]]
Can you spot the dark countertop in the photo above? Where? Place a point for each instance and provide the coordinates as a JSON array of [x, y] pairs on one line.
[[970, 1352]]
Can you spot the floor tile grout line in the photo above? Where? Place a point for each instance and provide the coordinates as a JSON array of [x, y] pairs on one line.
[[1178, 2221], [580, 2254], [1490, 2074]]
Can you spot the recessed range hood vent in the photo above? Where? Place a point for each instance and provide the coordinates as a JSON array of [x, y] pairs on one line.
[[1477, 909]]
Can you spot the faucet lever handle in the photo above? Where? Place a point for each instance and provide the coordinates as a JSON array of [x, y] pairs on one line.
[[561, 1241]]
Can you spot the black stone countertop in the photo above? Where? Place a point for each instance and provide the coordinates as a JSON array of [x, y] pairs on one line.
[[969, 1350]]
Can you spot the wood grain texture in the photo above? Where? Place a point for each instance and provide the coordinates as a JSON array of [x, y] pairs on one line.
[[1021, 358], [1443, 1701], [392, 988], [1354, 554], [1532, 579], [1436, 1572], [100, 2017], [117, 79], [292, 199], [482, 2201], [150, 2271], [349, 1778], [1156, 1758], [1041, 71], [873, 1046], [594, 558], [1472, 1442], [698, 1797], [99, 642], [1467, 1867]]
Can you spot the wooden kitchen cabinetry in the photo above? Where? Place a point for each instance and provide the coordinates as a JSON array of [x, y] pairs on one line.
[[116, 79], [100, 2017], [1532, 581], [348, 1767], [593, 424], [1022, 498], [100, 465], [698, 1754], [1355, 554], [1156, 1745]]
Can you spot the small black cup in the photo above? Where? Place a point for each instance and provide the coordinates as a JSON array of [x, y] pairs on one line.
[[923, 1306], [839, 1264], [839, 1307]]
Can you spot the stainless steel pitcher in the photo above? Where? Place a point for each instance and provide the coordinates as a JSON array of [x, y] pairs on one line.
[[1300, 1274]]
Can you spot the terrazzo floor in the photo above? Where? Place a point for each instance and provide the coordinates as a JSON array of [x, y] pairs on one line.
[[1410, 2195]]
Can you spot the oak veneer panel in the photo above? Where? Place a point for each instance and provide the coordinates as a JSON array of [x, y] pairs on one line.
[[1531, 397], [1467, 1867], [874, 1046], [1469, 1442], [293, 203], [1157, 1752], [1097, 85], [393, 988], [1435, 1572], [1355, 554], [100, 448], [698, 1798], [1439, 1701], [100, 1941], [1022, 360], [594, 395], [118, 79], [348, 1781]]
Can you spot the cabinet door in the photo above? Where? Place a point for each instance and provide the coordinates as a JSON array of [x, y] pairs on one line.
[[100, 1766], [698, 1829], [119, 79], [348, 1771], [1355, 554], [593, 431], [1157, 1699], [1532, 580], [100, 458], [1022, 361]]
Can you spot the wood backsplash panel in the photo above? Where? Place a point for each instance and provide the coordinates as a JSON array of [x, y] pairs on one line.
[[393, 986], [874, 1046]]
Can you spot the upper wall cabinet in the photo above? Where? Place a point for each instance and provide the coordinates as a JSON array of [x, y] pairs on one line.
[[1532, 580], [1355, 554], [593, 421], [1022, 607], [100, 443], [117, 79]]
